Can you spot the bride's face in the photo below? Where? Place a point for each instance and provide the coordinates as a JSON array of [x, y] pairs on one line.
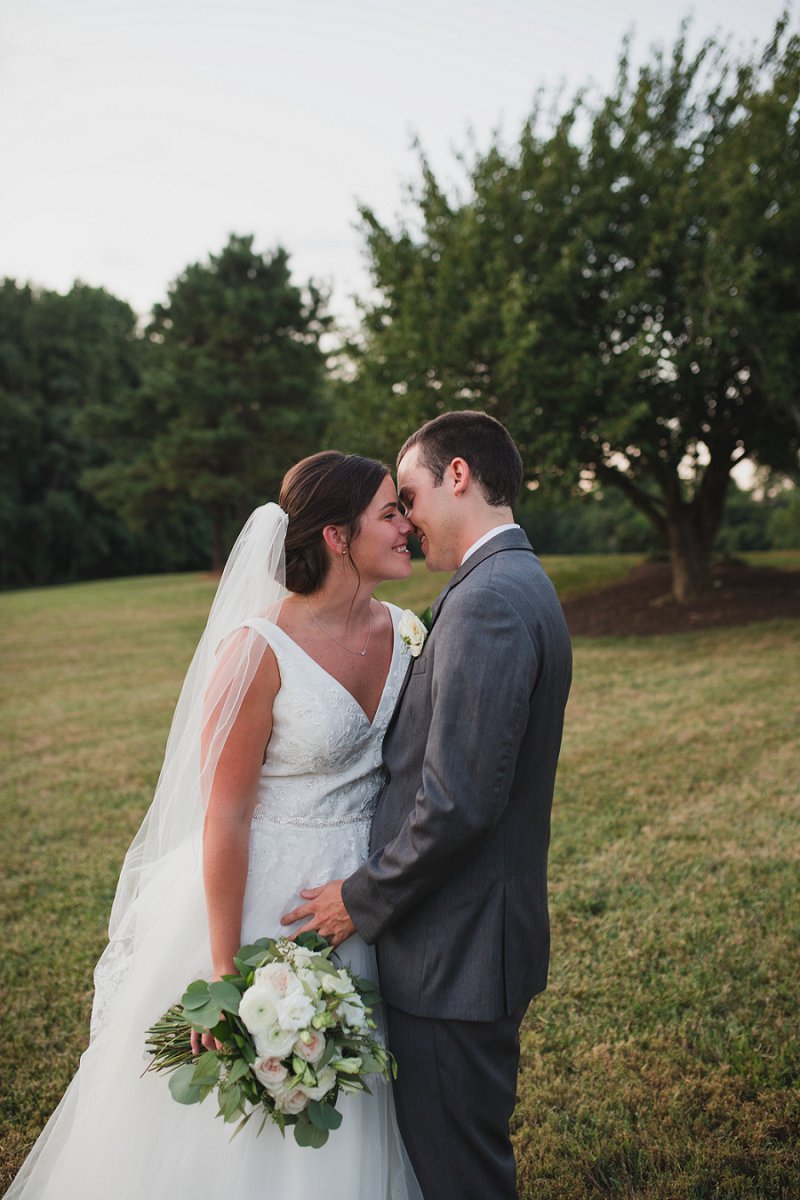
[[380, 548]]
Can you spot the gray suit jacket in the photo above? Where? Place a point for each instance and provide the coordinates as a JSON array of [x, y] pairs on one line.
[[454, 893]]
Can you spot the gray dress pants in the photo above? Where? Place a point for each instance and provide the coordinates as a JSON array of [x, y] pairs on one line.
[[455, 1093]]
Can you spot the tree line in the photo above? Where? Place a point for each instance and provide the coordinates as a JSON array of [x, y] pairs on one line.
[[132, 450], [620, 286]]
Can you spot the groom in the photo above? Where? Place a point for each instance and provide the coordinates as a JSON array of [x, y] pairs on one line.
[[454, 894]]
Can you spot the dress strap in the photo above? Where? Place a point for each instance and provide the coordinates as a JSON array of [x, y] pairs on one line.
[[261, 625]]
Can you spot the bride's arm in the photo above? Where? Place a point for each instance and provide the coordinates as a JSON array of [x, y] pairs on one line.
[[230, 808]]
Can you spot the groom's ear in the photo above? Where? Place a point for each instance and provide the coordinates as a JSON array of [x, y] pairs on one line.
[[460, 474]]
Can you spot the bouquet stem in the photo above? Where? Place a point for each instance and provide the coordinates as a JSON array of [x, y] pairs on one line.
[[169, 1041]]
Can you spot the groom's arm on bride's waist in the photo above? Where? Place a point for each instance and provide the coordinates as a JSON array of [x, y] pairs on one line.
[[483, 674]]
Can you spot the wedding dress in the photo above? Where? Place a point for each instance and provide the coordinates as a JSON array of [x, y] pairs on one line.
[[119, 1134]]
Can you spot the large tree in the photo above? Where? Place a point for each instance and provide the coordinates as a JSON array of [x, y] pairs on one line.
[[234, 390], [622, 289], [61, 356]]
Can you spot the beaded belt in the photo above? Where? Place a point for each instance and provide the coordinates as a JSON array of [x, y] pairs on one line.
[[264, 814]]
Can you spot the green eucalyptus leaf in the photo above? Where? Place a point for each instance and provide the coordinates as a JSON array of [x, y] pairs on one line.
[[247, 1050], [365, 986], [207, 1066], [261, 951], [371, 1065], [183, 1087], [230, 1103], [310, 940], [327, 1054], [324, 1116], [205, 1018], [239, 1069], [307, 1134], [226, 996], [195, 996], [321, 964]]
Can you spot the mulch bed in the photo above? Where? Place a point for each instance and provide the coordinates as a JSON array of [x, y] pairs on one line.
[[643, 603]]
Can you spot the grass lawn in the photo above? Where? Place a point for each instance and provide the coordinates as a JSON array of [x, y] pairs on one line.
[[571, 574], [661, 1063]]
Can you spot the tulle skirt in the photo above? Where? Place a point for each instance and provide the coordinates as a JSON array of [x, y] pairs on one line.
[[118, 1133]]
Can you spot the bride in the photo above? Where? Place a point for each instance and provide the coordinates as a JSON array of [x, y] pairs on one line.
[[269, 781]]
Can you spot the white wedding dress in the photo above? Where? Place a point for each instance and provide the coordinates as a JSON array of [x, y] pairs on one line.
[[119, 1134]]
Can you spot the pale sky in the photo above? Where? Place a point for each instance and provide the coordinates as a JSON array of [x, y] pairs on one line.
[[135, 135]]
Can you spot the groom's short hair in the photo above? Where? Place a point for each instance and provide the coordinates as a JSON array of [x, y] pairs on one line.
[[481, 441]]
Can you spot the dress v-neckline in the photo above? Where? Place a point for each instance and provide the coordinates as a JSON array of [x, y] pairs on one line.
[[338, 682]]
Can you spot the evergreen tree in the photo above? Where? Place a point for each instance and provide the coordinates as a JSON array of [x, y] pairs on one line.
[[234, 391]]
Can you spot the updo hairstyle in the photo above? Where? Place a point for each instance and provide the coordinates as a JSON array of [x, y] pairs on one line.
[[329, 488]]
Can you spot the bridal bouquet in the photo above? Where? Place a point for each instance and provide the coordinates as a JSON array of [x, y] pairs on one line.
[[296, 1032]]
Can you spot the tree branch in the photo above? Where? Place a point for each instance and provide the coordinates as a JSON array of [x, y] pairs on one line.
[[644, 501]]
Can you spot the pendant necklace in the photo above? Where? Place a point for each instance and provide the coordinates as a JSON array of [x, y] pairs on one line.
[[333, 636]]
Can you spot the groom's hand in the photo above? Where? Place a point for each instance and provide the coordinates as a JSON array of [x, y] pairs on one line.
[[324, 911]]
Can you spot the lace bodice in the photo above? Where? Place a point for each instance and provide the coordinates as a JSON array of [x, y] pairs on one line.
[[323, 764]]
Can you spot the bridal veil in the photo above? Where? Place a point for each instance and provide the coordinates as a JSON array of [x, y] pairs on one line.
[[221, 671]]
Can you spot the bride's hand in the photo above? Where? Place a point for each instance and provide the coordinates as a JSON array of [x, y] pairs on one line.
[[207, 1041]]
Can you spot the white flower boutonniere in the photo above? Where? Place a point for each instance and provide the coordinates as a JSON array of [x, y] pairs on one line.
[[412, 631]]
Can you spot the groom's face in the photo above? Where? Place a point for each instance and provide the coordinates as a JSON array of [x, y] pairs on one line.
[[430, 510]]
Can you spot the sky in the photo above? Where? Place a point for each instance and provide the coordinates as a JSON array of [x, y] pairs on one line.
[[136, 135]]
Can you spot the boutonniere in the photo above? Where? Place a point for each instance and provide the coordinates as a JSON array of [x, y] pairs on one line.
[[413, 630]]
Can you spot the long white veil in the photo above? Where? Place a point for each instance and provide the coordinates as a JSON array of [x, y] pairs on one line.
[[221, 672]]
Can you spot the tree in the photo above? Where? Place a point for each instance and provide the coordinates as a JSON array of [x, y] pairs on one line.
[[627, 303], [233, 391], [60, 356]]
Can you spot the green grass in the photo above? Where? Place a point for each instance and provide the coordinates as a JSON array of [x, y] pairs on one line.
[[571, 574], [662, 1061], [782, 560]]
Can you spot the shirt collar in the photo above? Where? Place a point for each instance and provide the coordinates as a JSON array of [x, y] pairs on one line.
[[487, 537]]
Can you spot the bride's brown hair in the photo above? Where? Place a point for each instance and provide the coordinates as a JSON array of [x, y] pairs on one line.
[[329, 488]]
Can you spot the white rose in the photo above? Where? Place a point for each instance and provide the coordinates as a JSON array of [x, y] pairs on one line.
[[339, 984], [257, 1009], [290, 1100], [301, 956], [352, 1014], [325, 1081], [277, 977], [412, 632], [308, 977], [274, 1042], [295, 1010], [270, 1072], [310, 1046]]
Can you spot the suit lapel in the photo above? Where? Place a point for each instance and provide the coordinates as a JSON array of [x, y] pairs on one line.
[[399, 700], [511, 539]]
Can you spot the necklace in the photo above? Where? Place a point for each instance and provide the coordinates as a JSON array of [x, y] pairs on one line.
[[333, 636]]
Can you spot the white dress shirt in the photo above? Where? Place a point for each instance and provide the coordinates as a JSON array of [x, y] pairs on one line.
[[487, 537]]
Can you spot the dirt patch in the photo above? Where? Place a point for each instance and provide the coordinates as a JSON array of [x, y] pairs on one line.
[[643, 604]]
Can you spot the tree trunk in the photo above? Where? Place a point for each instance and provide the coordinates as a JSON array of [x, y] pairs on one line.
[[690, 556], [692, 527], [688, 528]]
